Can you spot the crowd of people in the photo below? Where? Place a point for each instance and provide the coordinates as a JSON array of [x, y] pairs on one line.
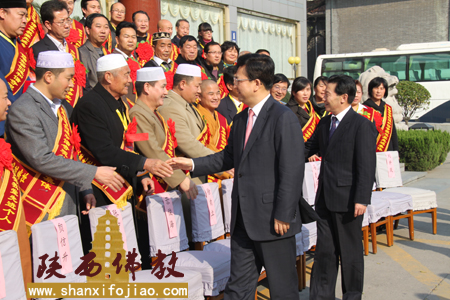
[[102, 111]]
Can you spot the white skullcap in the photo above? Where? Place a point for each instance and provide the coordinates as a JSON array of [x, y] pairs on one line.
[[150, 74], [189, 70], [111, 62], [54, 60]]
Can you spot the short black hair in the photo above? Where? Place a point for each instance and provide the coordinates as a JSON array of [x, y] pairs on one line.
[[210, 44], [49, 8], [376, 82], [324, 79], [125, 24], [187, 38], [258, 66], [84, 3], [228, 75], [204, 27], [178, 23], [40, 72], [177, 78], [227, 45], [259, 51], [139, 12], [139, 86], [281, 78], [344, 85], [91, 17]]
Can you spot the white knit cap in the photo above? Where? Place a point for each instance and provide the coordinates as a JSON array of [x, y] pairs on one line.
[[189, 70], [111, 62], [54, 60], [150, 74]]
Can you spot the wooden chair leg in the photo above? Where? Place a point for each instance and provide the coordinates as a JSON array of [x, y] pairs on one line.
[[366, 240], [389, 231], [411, 225], [373, 233], [396, 224], [434, 220]]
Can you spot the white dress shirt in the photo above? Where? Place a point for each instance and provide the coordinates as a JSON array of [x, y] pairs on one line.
[[123, 53], [257, 109], [340, 116], [159, 61], [61, 47], [54, 105]]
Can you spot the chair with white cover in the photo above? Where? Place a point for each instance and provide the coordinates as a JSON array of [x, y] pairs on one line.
[[388, 176], [227, 189], [378, 213], [11, 277], [206, 215], [193, 278], [213, 266], [311, 181]]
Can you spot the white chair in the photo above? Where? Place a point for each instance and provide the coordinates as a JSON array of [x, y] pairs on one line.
[[227, 189], [377, 214], [11, 271], [193, 278], [213, 266], [424, 201], [311, 181]]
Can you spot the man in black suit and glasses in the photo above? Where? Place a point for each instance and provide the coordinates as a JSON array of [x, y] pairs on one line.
[[347, 142], [265, 148]]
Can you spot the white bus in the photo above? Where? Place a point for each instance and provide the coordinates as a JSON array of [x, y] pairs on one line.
[[427, 64]]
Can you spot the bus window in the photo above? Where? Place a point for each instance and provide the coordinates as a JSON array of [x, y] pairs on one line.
[[342, 66], [429, 67], [393, 64]]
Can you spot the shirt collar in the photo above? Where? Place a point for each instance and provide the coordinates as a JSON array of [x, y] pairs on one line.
[[61, 47], [54, 104], [236, 102], [159, 61], [342, 114], [257, 108], [123, 53]]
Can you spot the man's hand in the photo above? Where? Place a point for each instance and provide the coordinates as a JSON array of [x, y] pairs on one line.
[[189, 187], [90, 201], [359, 209], [158, 167], [180, 163], [281, 227], [313, 158], [148, 185], [231, 172], [108, 177]]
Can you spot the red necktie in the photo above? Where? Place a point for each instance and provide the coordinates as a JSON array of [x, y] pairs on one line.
[[249, 126]]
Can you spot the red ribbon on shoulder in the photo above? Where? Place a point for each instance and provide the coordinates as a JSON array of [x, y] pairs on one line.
[[41, 31], [5, 156], [169, 79], [132, 136], [145, 51], [80, 73], [75, 140], [74, 36], [171, 125]]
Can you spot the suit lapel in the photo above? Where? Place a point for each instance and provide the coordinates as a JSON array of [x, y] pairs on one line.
[[230, 106], [50, 44], [341, 129], [45, 107]]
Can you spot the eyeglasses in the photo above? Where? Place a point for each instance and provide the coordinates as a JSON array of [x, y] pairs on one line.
[[118, 11], [236, 81], [67, 21], [279, 88], [215, 52]]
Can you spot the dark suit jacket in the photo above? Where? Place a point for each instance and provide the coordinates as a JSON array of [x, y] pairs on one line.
[[46, 44], [227, 109], [151, 63], [348, 164], [268, 172]]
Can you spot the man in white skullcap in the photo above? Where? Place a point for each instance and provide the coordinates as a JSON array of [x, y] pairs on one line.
[[42, 142], [191, 132], [151, 90]]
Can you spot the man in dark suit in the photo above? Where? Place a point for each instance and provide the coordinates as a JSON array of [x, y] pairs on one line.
[[162, 47], [230, 105], [269, 164], [346, 142]]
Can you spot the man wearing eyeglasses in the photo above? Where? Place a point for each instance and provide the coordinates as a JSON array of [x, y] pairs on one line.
[[55, 17], [213, 62], [117, 12]]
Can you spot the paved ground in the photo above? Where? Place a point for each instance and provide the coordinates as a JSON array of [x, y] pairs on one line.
[[418, 269]]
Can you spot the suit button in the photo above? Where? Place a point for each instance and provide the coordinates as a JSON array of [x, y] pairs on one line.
[[240, 175]]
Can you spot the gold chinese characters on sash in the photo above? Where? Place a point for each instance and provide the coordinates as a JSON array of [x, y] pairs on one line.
[[384, 138]]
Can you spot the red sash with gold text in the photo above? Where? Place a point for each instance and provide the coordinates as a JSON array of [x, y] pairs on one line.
[[384, 138], [79, 80], [19, 70], [77, 35], [223, 132], [310, 126], [33, 32], [10, 203]]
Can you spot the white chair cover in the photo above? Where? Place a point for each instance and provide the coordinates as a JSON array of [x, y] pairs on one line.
[[312, 169], [422, 199], [219, 246], [202, 231], [214, 267], [193, 278], [227, 189], [128, 225], [378, 208], [382, 171], [12, 267], [365, 220], [398, 203], [309, 235], [45, 241], [157, 225], [299, 244]]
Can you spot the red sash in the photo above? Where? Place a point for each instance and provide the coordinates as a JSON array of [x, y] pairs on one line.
[[144, 51], [43, 194], [77, 35], [174, 53], [222, 141], [33, 31], [10, 203], [384, 138], [79, 80], [20, 66], [222, 87], [310, 126], [108, 43]]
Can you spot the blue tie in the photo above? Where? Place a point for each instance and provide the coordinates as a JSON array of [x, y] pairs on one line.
[[333, 127]]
